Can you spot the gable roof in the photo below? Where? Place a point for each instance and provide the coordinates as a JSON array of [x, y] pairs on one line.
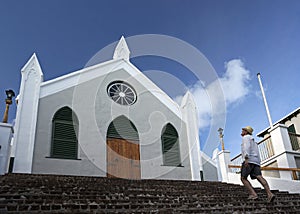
[[281, 121], [89, 73]]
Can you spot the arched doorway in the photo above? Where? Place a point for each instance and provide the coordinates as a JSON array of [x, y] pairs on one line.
[[123, 149]]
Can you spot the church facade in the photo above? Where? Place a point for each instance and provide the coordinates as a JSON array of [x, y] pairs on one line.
[[105, 120]]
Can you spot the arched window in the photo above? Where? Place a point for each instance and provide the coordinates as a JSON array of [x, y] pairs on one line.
[[122, 128], [64, 143], [170, 146]]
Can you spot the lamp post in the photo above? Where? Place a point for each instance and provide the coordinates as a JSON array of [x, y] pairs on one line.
[[220, 130], [9, 95]]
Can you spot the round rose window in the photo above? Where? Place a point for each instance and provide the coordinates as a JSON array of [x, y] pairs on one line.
[[121, 93]]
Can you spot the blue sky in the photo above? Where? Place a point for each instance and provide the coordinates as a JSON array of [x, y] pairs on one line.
[[239, 38]]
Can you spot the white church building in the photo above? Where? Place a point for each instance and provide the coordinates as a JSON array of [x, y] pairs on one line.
[[110, 120], [105, 120]]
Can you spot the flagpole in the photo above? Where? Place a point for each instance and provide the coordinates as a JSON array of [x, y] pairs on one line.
[[265, 100]]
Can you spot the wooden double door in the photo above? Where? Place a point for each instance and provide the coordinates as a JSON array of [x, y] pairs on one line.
[[123, 158]]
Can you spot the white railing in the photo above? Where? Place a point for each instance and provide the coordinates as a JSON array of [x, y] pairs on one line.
[[265, 148], [266, 151]]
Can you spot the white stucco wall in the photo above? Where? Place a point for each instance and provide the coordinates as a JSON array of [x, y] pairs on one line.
[[274, 183], [86, 95], [6, 131]]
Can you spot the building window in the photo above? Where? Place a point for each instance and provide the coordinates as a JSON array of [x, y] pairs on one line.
[[122, 128], [64, 143], [292, 129], [170, 146], [293, 137], [122, 93]]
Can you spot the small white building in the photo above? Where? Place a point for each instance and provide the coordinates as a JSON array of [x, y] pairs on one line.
[[280, 156], [281, 146], [105, 120]]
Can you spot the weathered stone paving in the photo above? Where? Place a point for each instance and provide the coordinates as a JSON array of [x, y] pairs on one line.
[[29, 193]]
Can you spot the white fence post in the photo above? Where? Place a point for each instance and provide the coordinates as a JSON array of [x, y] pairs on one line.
[[224, 160]]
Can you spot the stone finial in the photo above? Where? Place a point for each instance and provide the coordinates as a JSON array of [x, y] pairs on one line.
[[122, 51], [187, 99], [32, 67]]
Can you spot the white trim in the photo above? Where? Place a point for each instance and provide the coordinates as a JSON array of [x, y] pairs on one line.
[[70, 80]]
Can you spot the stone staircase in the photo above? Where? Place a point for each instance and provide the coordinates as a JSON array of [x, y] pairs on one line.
[[31, 193]]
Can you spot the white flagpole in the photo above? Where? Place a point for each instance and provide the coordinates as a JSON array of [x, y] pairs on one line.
[[265, 100]]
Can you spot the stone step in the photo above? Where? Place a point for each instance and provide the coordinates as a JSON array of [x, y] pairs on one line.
[[25, 193]]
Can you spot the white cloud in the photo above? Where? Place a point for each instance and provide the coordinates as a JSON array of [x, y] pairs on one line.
[[235, 81], [235, 86]]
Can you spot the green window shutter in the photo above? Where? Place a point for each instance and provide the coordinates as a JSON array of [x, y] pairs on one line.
[[292, 129], [64, 137], [170, 146], [122, 128], [293, 137]]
